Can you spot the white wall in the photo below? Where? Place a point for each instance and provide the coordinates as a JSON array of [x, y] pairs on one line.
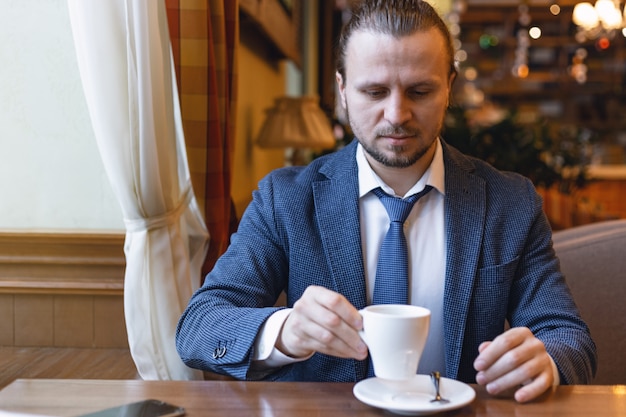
[[51, 175]]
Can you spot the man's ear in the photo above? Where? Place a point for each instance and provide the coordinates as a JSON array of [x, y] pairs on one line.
[[451, 80], [342, 88], [450, 83]]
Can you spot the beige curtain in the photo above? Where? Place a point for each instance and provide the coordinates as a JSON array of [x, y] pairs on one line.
[[125, 63]]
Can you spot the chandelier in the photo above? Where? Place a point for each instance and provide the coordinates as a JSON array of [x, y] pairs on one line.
[[602, 20]]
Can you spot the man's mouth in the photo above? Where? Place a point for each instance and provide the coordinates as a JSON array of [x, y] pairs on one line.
[[397, 136], [397, 139]]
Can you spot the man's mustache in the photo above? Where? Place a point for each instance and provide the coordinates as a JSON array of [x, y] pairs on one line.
[[397, 131]]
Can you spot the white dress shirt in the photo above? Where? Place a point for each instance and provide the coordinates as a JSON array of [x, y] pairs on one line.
[[426, 246]]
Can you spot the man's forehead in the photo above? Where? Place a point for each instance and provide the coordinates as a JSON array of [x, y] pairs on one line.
[[362, 37], [370, 44], [378, 58]]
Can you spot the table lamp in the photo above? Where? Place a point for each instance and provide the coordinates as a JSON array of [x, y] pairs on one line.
[[297, 123]]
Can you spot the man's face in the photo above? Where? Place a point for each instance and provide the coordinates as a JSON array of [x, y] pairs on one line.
[[396, 93]]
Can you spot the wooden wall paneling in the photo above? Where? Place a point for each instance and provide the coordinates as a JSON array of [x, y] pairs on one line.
[[34, 320], [109, 323], [61, 262], [73, 321], [6, 323], [62, 289]]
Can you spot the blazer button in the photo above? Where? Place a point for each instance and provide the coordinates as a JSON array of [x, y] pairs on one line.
[[219, 352]]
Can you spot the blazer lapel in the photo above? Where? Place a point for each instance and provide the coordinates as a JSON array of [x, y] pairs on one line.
[[337, 208], [465, 219]]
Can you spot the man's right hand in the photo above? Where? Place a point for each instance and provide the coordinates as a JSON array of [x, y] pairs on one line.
[[322, 321]]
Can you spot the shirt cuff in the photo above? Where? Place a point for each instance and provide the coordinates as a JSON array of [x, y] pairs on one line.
[[265, 353]]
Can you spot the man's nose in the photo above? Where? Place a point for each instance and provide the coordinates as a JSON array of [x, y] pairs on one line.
[[397, 110]]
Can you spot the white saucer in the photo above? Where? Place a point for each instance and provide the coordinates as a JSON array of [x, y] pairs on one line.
[[412, 398]]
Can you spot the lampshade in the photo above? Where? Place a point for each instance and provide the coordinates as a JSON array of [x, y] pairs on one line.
[[296, 122]]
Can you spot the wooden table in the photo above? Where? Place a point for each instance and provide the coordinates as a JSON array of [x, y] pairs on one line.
[[64, 397]]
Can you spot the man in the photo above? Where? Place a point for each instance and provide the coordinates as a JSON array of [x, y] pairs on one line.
[[479, 245]]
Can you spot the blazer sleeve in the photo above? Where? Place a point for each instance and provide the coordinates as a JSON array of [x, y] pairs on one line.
[[218, 328], [542, 301], [299, 230]]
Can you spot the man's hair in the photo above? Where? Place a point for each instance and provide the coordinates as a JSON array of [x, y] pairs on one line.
[[392, 17]]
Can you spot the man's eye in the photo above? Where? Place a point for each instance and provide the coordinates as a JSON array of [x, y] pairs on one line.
[[418, 93], [375, 93]]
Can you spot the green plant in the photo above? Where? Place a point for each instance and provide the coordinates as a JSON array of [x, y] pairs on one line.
[[546, 152]]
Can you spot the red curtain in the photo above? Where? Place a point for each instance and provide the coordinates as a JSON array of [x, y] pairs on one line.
[[205, 38]]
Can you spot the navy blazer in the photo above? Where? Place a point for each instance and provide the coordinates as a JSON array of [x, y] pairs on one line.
[[302, 228]]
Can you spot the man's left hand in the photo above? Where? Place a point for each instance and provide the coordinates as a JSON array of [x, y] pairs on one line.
[[515, 360]]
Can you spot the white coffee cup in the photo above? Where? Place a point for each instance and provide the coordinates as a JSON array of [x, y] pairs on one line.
[[395, 335]]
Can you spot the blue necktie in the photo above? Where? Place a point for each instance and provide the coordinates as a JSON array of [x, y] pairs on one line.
[[391, 285], [392, 272]]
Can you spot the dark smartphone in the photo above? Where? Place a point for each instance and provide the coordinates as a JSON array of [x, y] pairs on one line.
[[146, 408]]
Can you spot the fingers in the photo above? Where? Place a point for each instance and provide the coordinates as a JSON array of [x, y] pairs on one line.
[[491, 352], [483, 346], [322, 321], [515, 358], [535, 388]]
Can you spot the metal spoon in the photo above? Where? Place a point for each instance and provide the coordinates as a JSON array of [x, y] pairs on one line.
[[435, 377]]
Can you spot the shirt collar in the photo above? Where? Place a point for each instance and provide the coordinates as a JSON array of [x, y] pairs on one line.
[[434, 175]]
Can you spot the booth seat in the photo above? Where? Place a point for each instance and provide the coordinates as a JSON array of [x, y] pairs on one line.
[[593, 259]]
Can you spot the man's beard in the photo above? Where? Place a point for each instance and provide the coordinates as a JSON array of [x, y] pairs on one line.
[[395, 161]]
